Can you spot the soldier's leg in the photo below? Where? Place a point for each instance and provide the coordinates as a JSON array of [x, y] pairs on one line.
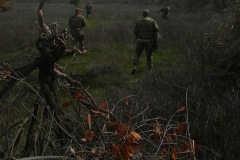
[[149, 56], [139, 50], [81, 42], [149, 61], [81, 45]]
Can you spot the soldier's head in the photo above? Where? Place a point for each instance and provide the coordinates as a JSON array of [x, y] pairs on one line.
[[146, 13], [78, 11]]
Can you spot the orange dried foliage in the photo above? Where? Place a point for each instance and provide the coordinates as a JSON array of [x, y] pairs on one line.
[[168, 138], [182, 108], [156, 136], [89, 120], [180, 129], [121, 130], [115, 149], [186, 146], [104, 106], [78, 95], [96, 113], [68, 103], [174, 153], [126, 100], [157, 128], [88, 136], [127, 151], [134, 136], [6, 74]]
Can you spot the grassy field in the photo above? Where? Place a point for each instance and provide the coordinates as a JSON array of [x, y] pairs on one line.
[[104, 71], [109, 40]]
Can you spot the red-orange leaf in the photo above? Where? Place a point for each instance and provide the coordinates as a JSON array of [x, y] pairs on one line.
[[104, 106], [126, 100], [184, 147], [115, 149], [95, 112], [89, 120], [128, 151], [196, 146], [68, 103], [180, 128], [168, 138], [182, 108], [174, 154], [88, 136], [135, 136], [78, 95], [157, 128], [6, 74], [121, 130]]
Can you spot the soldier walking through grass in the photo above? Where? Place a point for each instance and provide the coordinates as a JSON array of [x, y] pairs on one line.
[[145, 31], [165, 12], [88, 9], [76, 24]]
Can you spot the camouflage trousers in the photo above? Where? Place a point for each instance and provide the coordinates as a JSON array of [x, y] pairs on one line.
[[78, 37], [142, 45]]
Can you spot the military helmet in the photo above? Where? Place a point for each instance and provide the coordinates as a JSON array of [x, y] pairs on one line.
[[78, 10], [146, 12]]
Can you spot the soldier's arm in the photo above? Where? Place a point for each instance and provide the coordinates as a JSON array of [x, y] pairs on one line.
[[155, 27], [84, 22], [136, 30]]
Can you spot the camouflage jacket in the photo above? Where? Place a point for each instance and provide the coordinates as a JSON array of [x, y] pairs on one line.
[[165, 10], [145, 28], [88, 8], [77, 22]]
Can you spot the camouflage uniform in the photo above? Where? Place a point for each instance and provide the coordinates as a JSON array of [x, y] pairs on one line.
[[145, 31], [165, 12], [76, 25], [88, 8]]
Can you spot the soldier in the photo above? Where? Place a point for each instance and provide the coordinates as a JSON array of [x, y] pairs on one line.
[[165, 12], [88, 9], [76, 24], [145, 31]]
